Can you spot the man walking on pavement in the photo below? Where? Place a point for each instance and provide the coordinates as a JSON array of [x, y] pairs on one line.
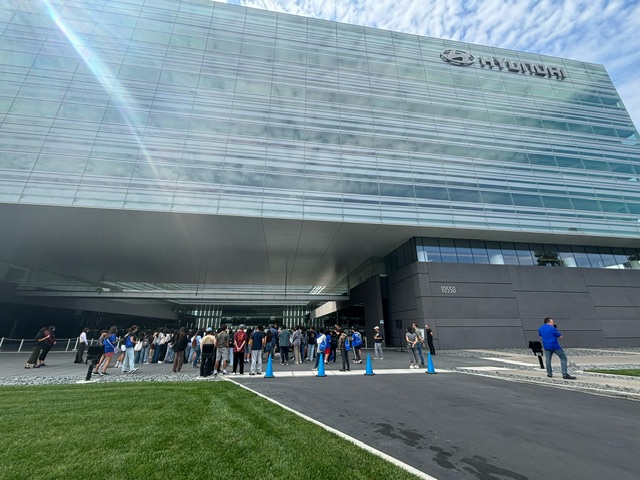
[[550, 336], [428, 333]]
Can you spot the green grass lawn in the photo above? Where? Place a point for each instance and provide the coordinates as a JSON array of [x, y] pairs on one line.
[[169, 430], [631, 372]]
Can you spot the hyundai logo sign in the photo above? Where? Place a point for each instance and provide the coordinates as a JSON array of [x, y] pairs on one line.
[[462, 58], [457, 57]]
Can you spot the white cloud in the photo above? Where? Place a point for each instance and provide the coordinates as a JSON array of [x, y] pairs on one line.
[[606, 32]]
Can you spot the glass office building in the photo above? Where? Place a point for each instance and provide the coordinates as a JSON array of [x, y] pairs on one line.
[[165, 112]]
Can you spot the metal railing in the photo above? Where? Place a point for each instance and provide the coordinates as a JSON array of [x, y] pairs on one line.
[[18, 345]]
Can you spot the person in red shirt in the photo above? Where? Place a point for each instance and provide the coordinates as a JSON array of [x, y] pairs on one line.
[[239, 344]]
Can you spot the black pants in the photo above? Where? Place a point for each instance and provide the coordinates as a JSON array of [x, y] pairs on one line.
[[80, 352], [207, 359], [238, 359], [432, 350], [206, 365], [284, 354], [45, 350]]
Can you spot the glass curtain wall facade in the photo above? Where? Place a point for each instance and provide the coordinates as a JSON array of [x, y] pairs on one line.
[[480, 252], [202, 107]]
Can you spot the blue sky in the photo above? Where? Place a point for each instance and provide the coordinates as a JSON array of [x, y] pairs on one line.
[[596, 31]]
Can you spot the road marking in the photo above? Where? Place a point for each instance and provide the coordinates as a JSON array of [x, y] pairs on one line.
[[356, 442], [485, 369], [510, 362]]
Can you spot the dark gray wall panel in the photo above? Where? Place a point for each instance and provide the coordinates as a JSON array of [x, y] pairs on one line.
[[622, 328], [618, 312], [615, 296], [402, 295], [487, 310], [615, 278], [471, 290], [621, 342], [459, 307], [547, 279], [555, 304], [477, 337], [460, 272], [581, 339], [564, 323], [479, 322]]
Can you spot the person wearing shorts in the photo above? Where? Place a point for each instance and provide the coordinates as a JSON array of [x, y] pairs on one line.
[[110, 348], [222, 350]]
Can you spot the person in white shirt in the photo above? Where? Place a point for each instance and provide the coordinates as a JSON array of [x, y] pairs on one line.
[[82, 345]]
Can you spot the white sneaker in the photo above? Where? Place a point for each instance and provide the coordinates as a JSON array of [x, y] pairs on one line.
[[134, 370], [224, 372]]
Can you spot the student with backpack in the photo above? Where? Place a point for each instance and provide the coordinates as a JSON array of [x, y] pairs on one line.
[[323, 341], [356, 341]]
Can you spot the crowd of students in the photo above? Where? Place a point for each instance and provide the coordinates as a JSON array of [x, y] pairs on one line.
[[214, 351]]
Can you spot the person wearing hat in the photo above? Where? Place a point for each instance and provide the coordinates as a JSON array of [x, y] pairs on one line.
[[377, 343]]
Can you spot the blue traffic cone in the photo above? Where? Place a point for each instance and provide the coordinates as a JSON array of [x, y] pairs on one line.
[[321, 366], [269, 372], [369, 370], [430, 368]]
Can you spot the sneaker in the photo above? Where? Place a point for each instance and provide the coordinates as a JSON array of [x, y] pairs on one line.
[[342, 370], [568, 377], [134, 370], [314, 368], [251, 373], [549, 375], [233, 373], [224, 372], [126, 371]]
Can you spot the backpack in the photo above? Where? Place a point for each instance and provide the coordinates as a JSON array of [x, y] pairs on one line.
[[323, 344], [347, 344], [357, 339]]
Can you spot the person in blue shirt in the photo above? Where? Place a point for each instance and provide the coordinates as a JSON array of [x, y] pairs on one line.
[[550, 336]]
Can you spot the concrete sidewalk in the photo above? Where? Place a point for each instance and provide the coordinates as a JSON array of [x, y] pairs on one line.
[[523, 367], [511, 364]]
